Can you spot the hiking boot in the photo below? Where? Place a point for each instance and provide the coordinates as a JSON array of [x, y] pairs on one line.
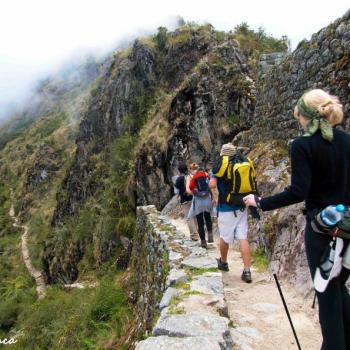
[[194, 238], [246, 276], [223, 266], [204, 244], [210, 237]]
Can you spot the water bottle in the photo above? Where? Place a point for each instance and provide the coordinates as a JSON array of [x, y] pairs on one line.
[[332, 215]]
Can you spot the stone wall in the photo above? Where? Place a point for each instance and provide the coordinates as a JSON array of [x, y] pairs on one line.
[[323, 62], [177, 289], [267, 61], [149, 265]]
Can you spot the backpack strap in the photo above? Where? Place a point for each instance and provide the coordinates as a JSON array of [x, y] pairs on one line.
[[223, 167], [252, 166]]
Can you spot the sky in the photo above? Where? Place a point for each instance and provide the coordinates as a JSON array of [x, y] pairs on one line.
[[36, 36]]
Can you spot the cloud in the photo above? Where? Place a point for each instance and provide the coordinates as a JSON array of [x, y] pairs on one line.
[[38, 35]]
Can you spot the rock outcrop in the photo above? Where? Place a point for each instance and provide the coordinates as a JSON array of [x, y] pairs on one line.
[[213, 105], [323, 62], [115, 98]]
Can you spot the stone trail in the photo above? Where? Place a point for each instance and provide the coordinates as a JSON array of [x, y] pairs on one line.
[[203, 308], [256, 310], [36, 274], [193, 311]]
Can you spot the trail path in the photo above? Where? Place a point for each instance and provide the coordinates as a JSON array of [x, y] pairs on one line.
[[256, 309], [37, 275]]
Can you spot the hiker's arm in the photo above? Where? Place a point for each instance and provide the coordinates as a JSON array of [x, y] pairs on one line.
[[213, 189], [213, 183], [190, 186], [300, 181]]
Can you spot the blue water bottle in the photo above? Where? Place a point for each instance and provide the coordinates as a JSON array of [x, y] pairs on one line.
[[331, 215]]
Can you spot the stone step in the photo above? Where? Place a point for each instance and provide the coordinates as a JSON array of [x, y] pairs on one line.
[[175, 343], [194, 325]]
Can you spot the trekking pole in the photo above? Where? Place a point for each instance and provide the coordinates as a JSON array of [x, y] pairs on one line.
[[314, 302], [287, 311], [257, 216]]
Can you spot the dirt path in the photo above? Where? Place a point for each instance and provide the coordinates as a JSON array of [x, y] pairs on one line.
[[37, 275], [257, 312]]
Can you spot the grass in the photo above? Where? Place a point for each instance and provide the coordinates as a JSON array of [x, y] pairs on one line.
[[77, 319], [259, 259], [233, 119], [197, 272], [182, 285]]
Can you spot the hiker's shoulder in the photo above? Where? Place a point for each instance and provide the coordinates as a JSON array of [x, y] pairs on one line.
[[341, 134], [179, 180], [300, 143]]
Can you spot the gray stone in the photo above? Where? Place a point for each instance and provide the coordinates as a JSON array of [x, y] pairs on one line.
[[169, 293], [249, 332], [208, 283], [174, 343], [265, 307], [198, 251], [201, 262], [240, 341], [174, 256], [195, 324], [176, 276]]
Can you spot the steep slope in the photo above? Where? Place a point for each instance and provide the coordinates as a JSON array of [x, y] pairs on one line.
[[210, 107], [137, 102]]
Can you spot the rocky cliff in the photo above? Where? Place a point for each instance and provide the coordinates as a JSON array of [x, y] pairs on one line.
[[159, 102], [211, 106], [322, 62]]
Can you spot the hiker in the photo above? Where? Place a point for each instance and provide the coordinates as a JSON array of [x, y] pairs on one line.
[[186, 199], [320, 166], [201, 206], [232, 214]]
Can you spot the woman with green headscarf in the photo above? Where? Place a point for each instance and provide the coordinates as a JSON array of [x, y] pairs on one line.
[[320, 167]]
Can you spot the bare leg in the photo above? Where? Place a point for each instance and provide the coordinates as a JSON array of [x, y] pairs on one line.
[[191, 223], [223, 250], [245, 252]]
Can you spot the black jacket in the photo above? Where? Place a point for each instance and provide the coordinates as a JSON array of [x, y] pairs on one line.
[[320, 173]]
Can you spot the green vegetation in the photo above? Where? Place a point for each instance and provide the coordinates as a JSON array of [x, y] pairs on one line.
[[260, 260], [254, 43], [233, 119], [161, 38], [182, 285], [76, 319], [185, 33], [197, 272]]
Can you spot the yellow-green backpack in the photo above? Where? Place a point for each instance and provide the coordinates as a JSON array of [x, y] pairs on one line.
[[238, 174]]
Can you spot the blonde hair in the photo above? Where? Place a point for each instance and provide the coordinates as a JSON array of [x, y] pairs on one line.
[[194, 166], [327, 105]]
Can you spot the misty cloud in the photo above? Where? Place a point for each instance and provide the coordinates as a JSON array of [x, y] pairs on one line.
[[38, 35]]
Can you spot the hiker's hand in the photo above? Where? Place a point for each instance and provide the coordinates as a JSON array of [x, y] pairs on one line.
[[214, 202], [249, 200]]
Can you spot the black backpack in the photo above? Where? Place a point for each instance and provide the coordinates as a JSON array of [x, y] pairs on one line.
[[202, 187]]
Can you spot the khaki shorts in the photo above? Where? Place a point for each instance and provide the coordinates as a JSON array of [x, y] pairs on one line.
[[231, 227]]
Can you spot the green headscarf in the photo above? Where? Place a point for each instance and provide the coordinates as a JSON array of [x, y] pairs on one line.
[[316, 121]]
